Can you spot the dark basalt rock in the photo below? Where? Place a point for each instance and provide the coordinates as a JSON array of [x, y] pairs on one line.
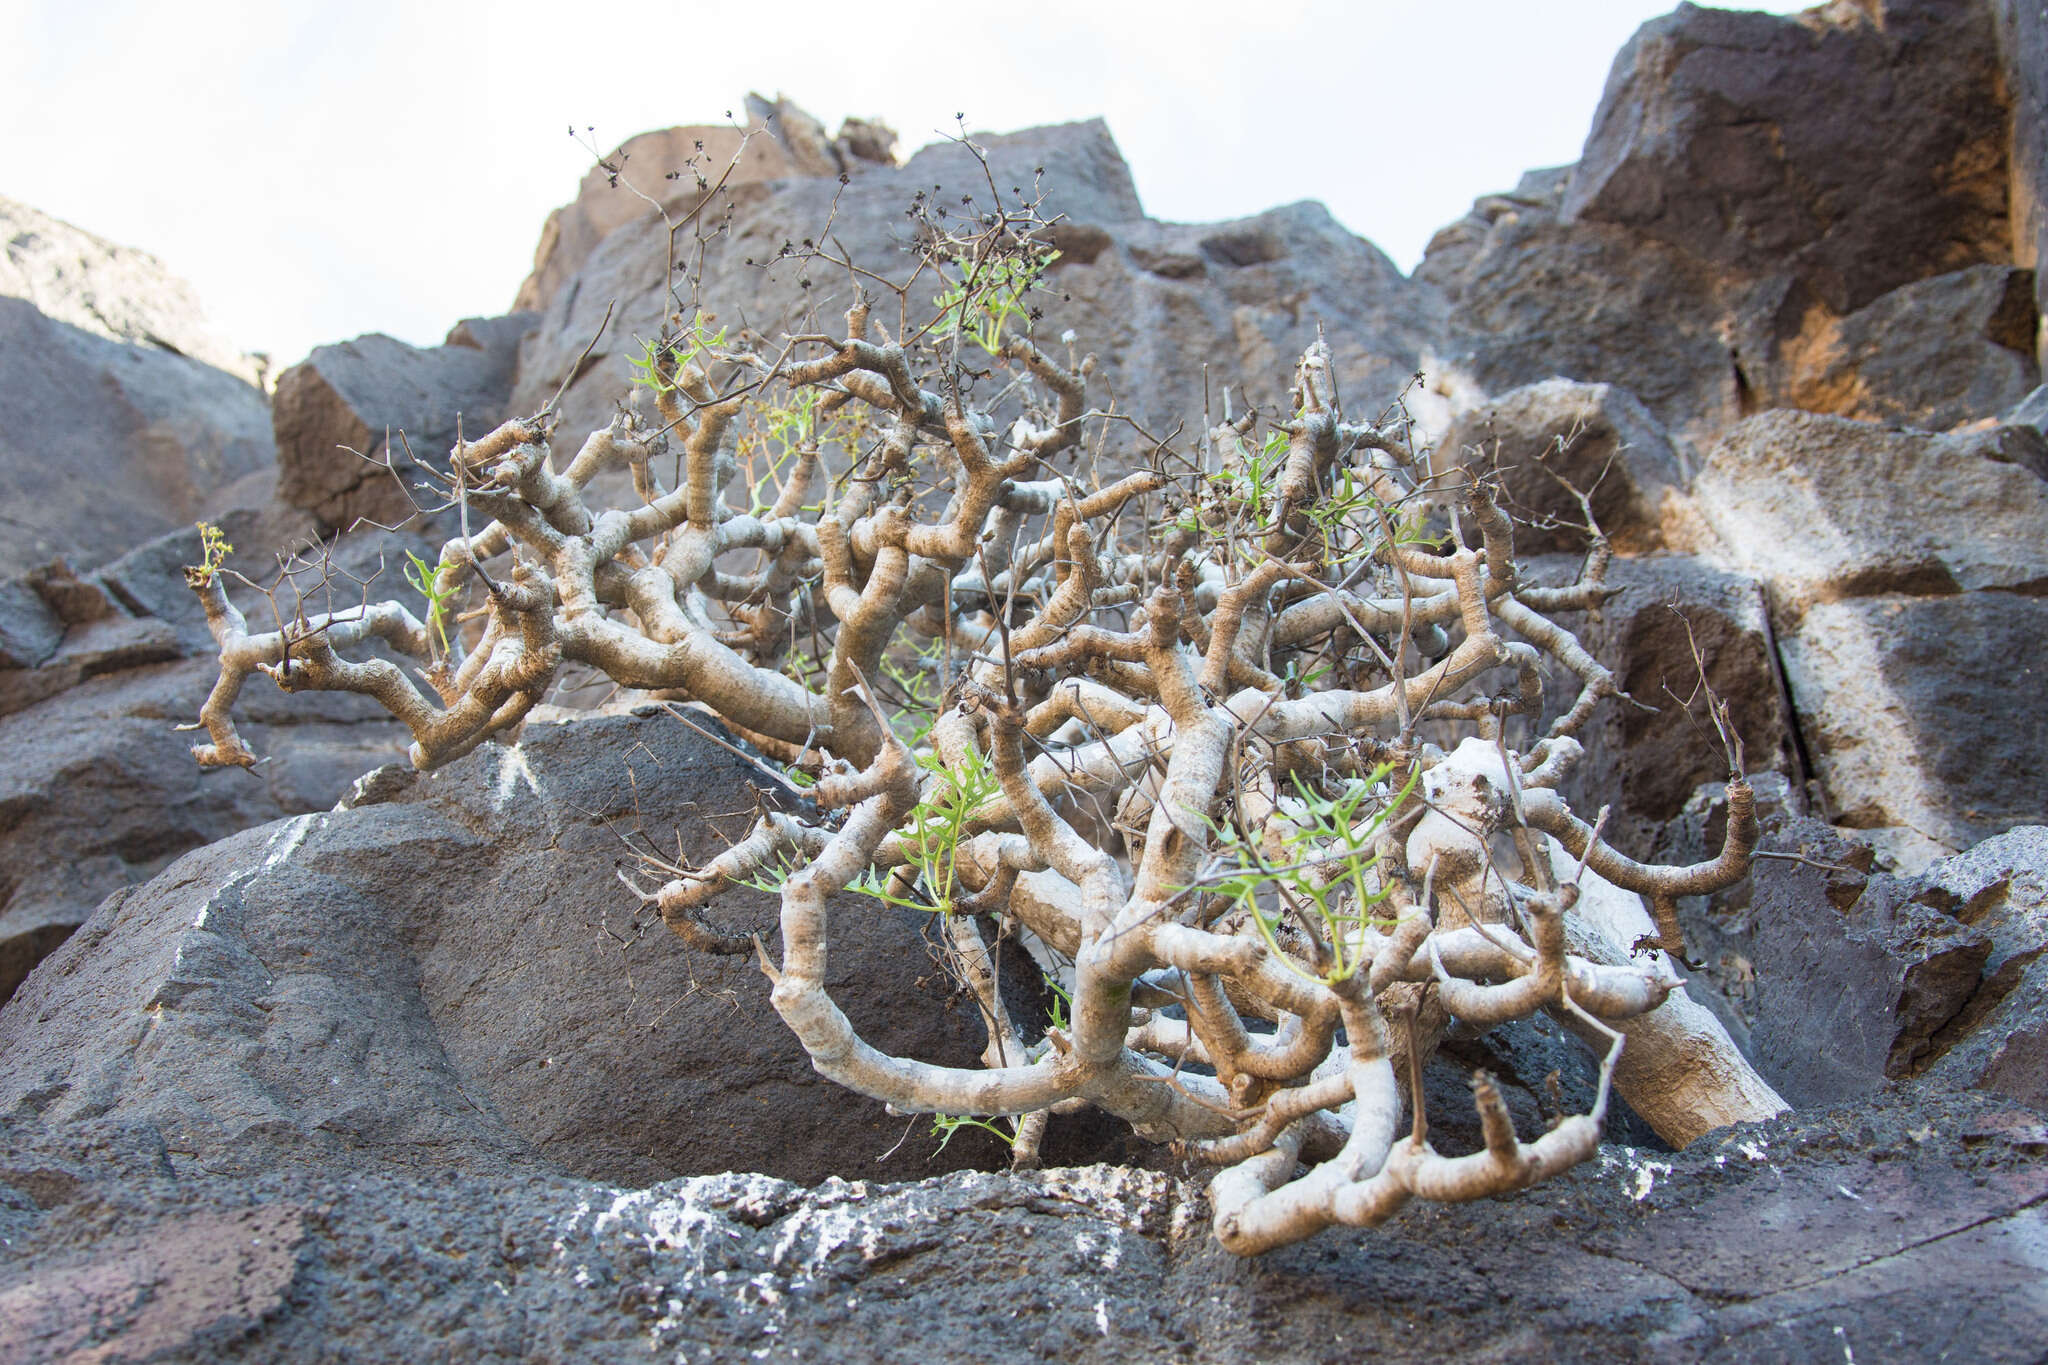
[[452, 976]]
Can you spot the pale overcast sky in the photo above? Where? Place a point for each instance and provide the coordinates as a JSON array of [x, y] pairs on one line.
[[323, 170]]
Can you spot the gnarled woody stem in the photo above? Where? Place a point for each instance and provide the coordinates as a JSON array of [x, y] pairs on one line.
[[1192, 766]]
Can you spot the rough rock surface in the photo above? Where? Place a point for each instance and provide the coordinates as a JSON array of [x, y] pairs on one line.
[[1813, 505], [1532, 299], [1596, 438], [110, 442], [1644, 760], [1888, 1231], [2023, 42], [2000, 1038], [100, 791], [453, 976], [1859, 147], [1925, 716], [1845, 979], [116, 292], [1754, 191], [1855, 975], [1932, 354], [677, 166], [1153, 301], [394, 403], [1905, 573]]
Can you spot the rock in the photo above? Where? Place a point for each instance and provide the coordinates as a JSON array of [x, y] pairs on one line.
[[675, 166], [111, 442], [1933, 353], [1805, 210], [91, 650], [100, 792], [1595, 437], [1898, 1228], [1925, 715], [1854, 975], [1823, 509], [666, 165], [197, 1284], [454, 978], [866, 139], [2018, 442], [1905, 574], [803, 139], [1858, 148], [1644, 759], [29, 630], [2023, 42], [362, 395], [1532, 299], [1999, 1041], [1153, 301], [2032, 411], [115, 292]]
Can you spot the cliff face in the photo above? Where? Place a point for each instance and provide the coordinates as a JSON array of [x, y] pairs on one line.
[[1782, 322], [110, 291], [126, 415]]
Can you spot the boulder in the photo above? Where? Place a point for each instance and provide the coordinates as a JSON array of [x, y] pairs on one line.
[[100, 791], [364, 395], [676, 166], [110, 291], [1858, 147], [1904, 572], [1999, 1040], [447, 974], [1807, 210], [1153, 301], [1924, 717], [1596, 438], [1855, 975], [29, 630], [810, 148], [667, 166], [1848, 979], [1531, 298], [1935, 353], [1645, 756], [110, 442], [1821, 509]]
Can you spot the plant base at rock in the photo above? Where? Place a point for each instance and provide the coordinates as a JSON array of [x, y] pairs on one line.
[[1244, 734]]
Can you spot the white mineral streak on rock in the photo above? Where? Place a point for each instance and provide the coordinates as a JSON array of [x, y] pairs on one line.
[[512, 770], [708, 1233]]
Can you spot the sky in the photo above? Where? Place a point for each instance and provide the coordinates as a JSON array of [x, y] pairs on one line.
[[319, 171]]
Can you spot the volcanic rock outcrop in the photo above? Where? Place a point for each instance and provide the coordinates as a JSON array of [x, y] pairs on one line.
[[402, 1043]]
